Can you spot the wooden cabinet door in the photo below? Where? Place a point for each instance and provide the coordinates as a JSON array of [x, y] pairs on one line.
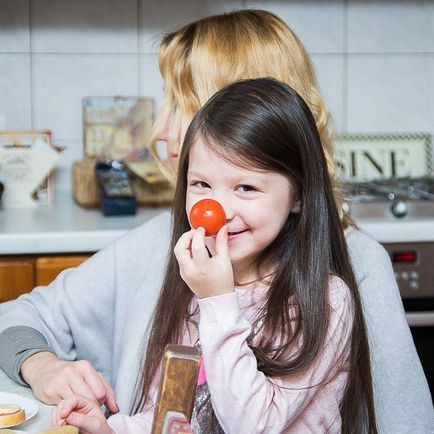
[[47, 268], [16, 278]]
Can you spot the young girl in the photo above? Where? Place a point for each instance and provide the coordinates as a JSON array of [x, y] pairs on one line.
[[271, 301]]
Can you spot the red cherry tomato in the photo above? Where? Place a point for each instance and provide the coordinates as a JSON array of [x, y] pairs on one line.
[[208, 214]]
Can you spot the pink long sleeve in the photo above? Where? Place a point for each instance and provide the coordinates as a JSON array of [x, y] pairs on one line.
[[244, 400], [140, 423]]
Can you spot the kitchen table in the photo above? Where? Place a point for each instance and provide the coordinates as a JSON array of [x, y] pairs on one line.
[[41, 420]]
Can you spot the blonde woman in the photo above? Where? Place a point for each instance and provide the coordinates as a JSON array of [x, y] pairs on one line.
[[83, 333]]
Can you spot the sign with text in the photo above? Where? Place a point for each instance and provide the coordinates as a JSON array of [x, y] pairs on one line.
[[365, 157]]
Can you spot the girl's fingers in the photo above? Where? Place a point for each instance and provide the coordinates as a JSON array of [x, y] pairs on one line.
[[182, 247], [182, 250], [82, 413], [70, 404], [221, 242], [64, 408], [198, 249], [84, 423]]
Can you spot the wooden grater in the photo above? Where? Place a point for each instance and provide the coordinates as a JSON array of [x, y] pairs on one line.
[[177, 386]]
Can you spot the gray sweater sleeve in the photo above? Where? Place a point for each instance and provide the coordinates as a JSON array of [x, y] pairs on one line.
[[70, 313], [18, 344], [77, 316], [402, 398]]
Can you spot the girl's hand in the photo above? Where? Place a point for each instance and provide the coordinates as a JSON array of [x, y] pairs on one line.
[[82, 413], [206, 277]]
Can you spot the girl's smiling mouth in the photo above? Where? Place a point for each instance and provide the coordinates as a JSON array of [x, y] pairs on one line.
[[235, 234]]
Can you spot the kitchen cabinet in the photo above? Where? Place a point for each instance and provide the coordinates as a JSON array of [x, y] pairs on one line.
[[47, 268], [20, 274], [16, 277]]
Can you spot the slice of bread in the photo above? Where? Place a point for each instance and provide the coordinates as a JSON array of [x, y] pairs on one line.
[[11, 415], [65, 429]]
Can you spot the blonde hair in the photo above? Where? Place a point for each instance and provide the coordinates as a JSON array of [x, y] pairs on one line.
[[202, 57]]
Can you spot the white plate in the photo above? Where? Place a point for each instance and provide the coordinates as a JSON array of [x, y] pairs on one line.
[[30, 407]]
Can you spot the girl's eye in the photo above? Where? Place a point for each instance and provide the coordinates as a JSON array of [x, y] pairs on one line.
[[200, 184], [245, 188]]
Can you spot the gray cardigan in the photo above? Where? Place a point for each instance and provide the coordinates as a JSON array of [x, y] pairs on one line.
[[100, 312]]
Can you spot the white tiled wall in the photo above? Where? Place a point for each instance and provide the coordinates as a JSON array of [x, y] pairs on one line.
[[374, 59]]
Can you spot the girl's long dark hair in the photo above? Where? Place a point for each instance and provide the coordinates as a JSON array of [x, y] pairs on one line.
[[265, 124]]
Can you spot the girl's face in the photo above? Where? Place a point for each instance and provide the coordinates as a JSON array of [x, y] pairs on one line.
[[256, 203]]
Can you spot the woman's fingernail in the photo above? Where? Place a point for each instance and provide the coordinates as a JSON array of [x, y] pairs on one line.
[[114, 404]]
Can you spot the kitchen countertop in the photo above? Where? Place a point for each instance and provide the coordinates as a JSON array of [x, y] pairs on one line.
[[65, 227]]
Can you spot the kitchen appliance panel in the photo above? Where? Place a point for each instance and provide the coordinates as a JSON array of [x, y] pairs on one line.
[[414, 268]]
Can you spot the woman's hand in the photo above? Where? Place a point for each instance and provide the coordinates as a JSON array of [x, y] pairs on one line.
[[206, 277], [82, 413], [52, 380]]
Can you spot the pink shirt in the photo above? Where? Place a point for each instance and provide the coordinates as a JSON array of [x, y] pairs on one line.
[[244, 399]]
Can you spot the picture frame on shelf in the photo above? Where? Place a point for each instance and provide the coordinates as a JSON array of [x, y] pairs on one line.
[[119, 128], [366, 157]]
